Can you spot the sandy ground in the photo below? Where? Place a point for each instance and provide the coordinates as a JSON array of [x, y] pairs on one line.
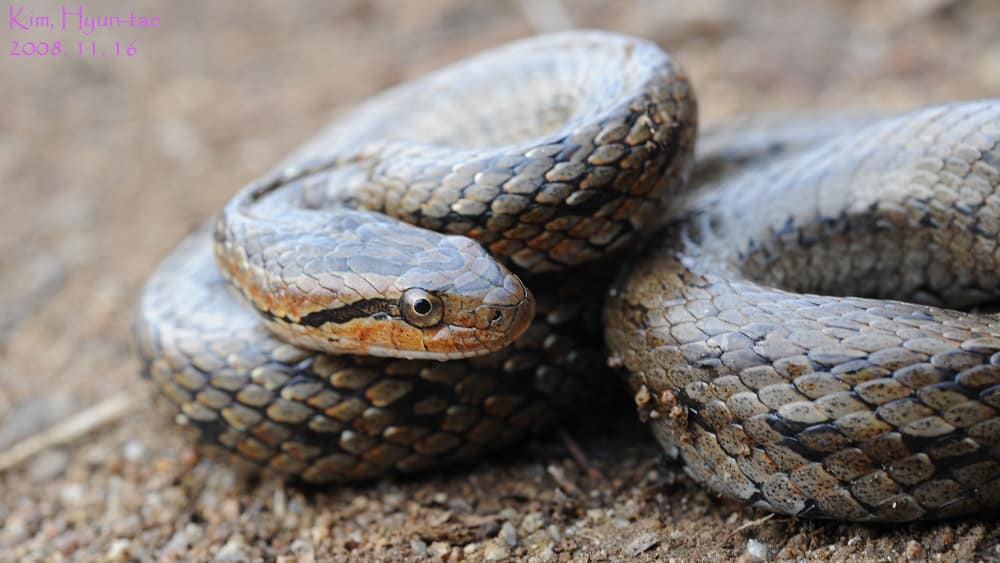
[[107, 161]]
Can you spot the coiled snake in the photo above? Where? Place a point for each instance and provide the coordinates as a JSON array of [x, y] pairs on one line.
[[556, 154]]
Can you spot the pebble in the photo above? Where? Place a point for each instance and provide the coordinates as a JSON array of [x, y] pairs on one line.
[[630, 510], [48, 465], [321, 528], [71, 494], [15, 530], [532, 521], [134, 451], [494, 550], [118, 550], [230, 509], [419, 547], [941, 539], [508, 534], [459, 505], [178, 542], [547, 554], [394, 500], [914, 551], [129, 526], [537, 541], [641, 542], [234, 550], [758, 550], [439, 549]]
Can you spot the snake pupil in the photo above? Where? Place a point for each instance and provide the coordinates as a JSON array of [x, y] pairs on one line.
[[422, 306]]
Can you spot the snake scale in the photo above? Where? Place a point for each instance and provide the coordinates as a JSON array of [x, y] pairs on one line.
[[306, 329]]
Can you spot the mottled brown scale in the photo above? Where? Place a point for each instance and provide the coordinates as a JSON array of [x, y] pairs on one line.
[[801, 401]]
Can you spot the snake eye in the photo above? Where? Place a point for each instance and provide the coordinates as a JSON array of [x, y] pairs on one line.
[[420, 308]]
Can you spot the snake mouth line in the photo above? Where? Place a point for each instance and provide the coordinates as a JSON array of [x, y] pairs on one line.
[[426, 354]]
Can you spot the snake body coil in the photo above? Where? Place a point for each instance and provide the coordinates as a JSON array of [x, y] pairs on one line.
[[815, 405], [550, 153], [323, 360]]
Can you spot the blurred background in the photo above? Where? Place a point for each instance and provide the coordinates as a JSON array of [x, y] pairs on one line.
[[106, 162]]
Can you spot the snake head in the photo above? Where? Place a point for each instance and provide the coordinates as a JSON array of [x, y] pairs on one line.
[[458, 301], [371, 285]]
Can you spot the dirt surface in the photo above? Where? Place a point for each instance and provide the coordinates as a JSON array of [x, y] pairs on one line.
[[106, 162]]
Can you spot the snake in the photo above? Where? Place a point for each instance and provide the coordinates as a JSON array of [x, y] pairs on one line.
[[364, 309], [440, 273]]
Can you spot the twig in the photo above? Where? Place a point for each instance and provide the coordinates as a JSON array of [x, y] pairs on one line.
[[560, 476], [640, 471], [581, 458], [751, 524], [110, 409]]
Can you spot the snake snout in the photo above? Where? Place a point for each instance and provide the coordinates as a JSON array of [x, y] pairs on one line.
[[507, 311], [493, 307]]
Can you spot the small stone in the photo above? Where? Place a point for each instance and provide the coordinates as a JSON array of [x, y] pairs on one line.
[[303, 549], [134, 451], [547, 554], [641, 542], [234, 550], [532, 521], [439, 549], [48, 465], [71, 494], [230, 509], [459, 505], [194, 532], [394, 500], [129, 526], [15, 530], [118, 550], [494, 550], [419, 547], [178, 542], [321, 528], [941, 540], [914, 551], [630, 510], [508, 534], [537, 542], [758, 550]]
